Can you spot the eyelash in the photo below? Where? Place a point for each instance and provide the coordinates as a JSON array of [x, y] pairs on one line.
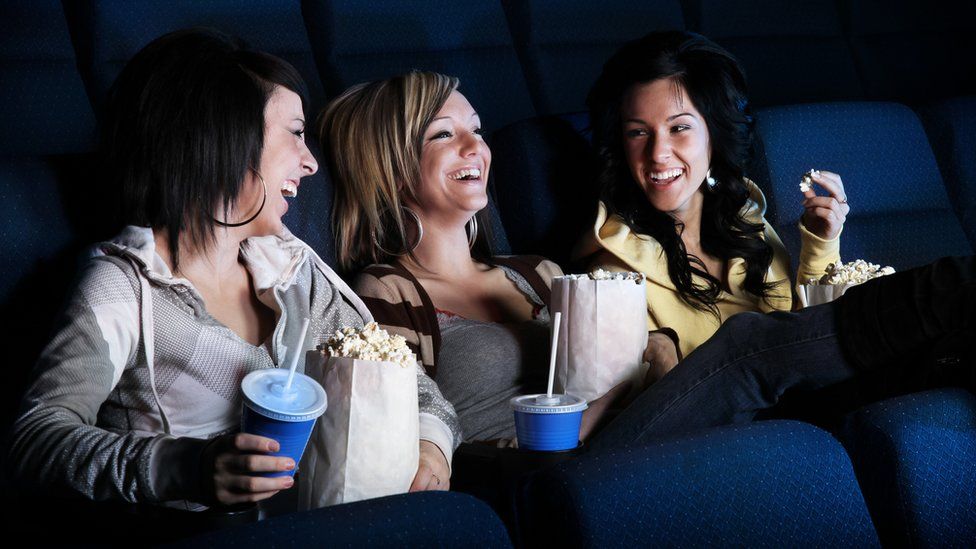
[[300, 133], [444, 133]]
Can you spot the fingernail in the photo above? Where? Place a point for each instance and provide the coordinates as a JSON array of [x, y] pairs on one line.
[[289, 465], [274, 447], [289, 482]]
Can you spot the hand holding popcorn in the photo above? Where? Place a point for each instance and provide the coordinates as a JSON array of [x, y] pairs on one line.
[[824, 216]]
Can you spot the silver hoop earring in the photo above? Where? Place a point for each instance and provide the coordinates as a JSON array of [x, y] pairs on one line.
[[256, 214], [420, 236], [710, 181], [471, 227]]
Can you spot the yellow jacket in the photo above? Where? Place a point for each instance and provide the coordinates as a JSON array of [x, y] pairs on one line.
[[615, 247]]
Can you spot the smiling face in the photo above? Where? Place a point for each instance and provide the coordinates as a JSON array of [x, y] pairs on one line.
[[666, 144], [285, 159], [454, 164]]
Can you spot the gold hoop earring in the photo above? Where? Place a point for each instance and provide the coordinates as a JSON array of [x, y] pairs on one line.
[[472, 230], [256, 214]]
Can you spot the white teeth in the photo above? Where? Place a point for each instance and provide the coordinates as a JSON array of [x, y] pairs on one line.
[[667, 174], [468, 173], [289, 189]]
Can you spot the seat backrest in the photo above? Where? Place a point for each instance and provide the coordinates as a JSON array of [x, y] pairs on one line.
[[951, 127], [900, 213], [47, 181], [770, 483], [545, 186], [913, 51], [357, 41], [107, 33], [563, 45], [792, 52]]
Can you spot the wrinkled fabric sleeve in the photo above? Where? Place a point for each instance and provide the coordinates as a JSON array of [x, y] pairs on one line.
[[815, 254], [439, 423], [55, 443]]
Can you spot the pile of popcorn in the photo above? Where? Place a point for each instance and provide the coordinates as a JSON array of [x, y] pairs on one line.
[[806, 183], [601, 274], [854, 272], [370, 343]]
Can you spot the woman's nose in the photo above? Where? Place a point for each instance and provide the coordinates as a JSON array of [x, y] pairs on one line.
[[309, 165], [659, 149], [471, 143]]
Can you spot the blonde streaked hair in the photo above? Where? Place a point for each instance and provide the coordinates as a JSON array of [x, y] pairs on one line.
[[373, 135]]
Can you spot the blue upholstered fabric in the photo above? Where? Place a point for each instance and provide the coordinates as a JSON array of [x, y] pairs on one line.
[[911, 51], [44, 109], [915, 457], [108, 32], [426, 519], [900, 213], [951, 127], [563, 45], [792, 52], [767, 484], [545, 186], [357, 41]]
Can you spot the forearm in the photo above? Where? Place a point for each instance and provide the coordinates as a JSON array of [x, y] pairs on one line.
[[815, 254], [438, 420]]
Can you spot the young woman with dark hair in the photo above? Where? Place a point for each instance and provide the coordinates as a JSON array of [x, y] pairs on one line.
[[672, 130], [137, 397]]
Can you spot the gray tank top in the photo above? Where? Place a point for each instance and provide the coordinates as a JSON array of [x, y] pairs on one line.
[[484, 364]]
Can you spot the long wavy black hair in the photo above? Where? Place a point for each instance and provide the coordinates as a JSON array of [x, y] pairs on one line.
[[716, 86]]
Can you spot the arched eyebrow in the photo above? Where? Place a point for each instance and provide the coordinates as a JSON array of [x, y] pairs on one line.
[[672, 117], [473, 115]]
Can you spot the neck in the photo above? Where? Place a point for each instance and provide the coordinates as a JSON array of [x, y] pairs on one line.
[[219, 260], [443, 252], [690, 217]]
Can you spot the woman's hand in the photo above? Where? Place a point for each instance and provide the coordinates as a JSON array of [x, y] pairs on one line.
[[824, 216], [433, 472], [661, 354], [230, 463]]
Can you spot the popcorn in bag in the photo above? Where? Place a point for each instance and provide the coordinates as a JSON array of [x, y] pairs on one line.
[[603, 331], [837, 278], [366, 444]]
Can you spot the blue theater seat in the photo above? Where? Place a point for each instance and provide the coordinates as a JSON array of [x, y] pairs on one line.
[[545, 184], [900, 213], [792, 52], [914, 457], [951, 127], [563, 45], [768, 484], [357, 41], [107, 33], [426, 519], [913, 51], [51, 199]]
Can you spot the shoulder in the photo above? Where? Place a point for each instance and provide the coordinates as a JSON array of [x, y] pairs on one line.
[[108, 278], [531, 266], [755, 207], [387, 282]]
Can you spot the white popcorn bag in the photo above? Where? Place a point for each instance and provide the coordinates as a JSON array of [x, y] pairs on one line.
[[602, 335], [818, 294], [366, 445]]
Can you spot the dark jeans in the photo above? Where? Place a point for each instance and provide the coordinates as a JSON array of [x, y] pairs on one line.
[[754, 359]]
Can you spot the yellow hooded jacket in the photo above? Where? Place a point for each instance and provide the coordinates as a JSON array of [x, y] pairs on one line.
[[613, 246]]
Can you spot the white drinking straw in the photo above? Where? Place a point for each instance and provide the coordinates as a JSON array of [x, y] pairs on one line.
[[552, 354], [295, 354]]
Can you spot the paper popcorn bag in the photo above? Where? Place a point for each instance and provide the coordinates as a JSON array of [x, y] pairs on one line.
[[603, 333], [837, 279], [366, 444]]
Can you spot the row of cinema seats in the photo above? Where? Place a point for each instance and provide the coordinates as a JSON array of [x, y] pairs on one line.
[[881, 92]]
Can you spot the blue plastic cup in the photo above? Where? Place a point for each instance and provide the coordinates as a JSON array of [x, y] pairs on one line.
[[285, 416], [548, 423]]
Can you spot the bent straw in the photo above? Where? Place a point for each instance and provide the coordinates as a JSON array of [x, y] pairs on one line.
[[296, 354], [552, 355]]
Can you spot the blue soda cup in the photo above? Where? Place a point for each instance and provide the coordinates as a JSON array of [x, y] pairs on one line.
[[548, 423], [285, 416]]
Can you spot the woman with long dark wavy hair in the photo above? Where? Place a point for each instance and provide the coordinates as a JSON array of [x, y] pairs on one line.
[[672, 131]]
